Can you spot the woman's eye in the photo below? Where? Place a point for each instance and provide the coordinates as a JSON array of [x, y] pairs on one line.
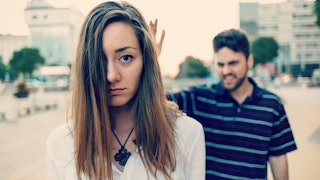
[[126, 58]]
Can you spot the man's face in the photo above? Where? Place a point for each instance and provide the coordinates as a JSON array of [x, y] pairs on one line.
[[232, 68]]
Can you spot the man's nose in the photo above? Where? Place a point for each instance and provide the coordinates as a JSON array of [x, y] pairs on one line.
[[226, 70]]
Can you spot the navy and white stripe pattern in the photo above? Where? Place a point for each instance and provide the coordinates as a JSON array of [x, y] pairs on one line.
[[239, 137]]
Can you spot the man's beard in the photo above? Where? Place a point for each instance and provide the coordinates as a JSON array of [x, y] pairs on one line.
[[237, 85]]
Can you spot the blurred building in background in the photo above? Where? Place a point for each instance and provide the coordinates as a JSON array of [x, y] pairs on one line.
[[10, 43], [249, 18], [292, 24], [53, 30]]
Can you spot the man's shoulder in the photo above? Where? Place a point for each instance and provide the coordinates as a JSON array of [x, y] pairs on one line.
[[267, 95], [265, 92]]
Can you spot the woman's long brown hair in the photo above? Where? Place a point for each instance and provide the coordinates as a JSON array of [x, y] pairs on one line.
[[154, 116]]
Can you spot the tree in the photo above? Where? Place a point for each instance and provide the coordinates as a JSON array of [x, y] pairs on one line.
[[25, 61], [316, 11], [191, 68], [3, 69], [264, 49]]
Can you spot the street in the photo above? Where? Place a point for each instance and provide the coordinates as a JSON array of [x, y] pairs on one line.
[[303, 109], [22, 143]]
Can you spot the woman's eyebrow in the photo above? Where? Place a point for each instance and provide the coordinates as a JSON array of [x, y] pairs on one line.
[[124, 48]]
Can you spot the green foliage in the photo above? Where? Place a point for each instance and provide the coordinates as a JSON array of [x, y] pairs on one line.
[[192, 68], [13, 73], [264, 49], [316, 11], [3, 69], [25, 61]]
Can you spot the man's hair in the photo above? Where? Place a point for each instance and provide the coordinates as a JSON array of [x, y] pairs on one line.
[[233, 39]]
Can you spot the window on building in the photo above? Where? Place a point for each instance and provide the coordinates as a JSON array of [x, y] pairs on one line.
[[308, 55], [311, 45]]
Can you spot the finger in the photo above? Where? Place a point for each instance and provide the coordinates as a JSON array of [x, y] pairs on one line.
[[153, 28], [156, 23], [163, 34], [151, 24]]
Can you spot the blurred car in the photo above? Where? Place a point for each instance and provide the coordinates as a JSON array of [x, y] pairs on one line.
[[33, 84], [315, 78], [283, 79]]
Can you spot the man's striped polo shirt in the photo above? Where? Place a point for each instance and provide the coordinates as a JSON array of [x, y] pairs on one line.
[[239, 137]]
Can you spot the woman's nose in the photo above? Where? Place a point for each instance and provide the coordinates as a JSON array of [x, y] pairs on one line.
[[113, 73]]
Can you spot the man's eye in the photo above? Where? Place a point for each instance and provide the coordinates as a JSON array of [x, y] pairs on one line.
[[233, 63], [220, 65], [126, 58]]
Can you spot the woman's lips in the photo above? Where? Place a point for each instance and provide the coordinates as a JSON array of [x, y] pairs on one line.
[[116, 91]]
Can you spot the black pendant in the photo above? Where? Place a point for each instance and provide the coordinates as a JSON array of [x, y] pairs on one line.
[[122, 156]]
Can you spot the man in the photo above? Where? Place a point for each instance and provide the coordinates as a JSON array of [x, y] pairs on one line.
[[245, 126]]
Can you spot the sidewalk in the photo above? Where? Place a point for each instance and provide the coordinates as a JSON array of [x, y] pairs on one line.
[[303, 110], [12, 108]]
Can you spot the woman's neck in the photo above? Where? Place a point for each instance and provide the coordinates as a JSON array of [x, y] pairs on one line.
[[122, 118]]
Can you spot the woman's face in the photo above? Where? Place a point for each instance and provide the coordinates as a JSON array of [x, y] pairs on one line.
[[124, 59]]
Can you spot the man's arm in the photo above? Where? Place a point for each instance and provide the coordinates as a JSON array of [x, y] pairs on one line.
[[279, 167]]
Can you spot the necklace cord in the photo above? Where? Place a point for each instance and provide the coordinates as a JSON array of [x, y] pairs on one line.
[[123, 154], [119, 140]]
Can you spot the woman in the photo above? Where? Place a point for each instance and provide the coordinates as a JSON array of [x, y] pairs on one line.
[[122, 126]]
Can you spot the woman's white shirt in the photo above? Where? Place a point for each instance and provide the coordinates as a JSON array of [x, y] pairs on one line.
[[190, 155]]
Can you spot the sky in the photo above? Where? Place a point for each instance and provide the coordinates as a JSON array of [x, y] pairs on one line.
[[189, 25]]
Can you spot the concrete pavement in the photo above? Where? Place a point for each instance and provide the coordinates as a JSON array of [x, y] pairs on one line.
[[303, 109], [22, 144]]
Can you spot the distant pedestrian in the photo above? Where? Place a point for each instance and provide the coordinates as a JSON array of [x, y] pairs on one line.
[[22, 91]]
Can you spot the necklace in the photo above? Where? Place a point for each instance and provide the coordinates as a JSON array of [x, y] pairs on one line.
[[123, 154]]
